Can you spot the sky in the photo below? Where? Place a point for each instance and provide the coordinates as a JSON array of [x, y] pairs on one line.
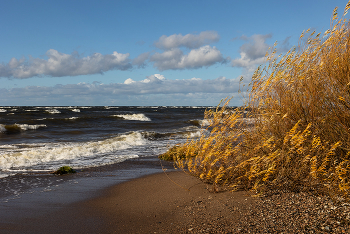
[[144, 53]]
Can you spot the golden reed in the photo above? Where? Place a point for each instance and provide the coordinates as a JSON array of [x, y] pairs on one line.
[[293, 133]]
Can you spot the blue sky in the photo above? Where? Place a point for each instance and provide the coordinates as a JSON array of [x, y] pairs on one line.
[[143, 52]]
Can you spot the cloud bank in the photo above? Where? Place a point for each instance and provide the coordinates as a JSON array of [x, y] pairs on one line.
[[155, 84], [60, 64], [174, 52], [171, 57]]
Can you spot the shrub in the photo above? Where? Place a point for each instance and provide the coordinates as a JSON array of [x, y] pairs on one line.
[[296, 135]]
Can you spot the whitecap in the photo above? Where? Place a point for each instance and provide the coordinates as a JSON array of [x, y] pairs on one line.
[[31, 110], [53, 111], [205, 122], [80, 154], [2, 128], [195, 134], [138, 117], [22, 127], [26, 127]]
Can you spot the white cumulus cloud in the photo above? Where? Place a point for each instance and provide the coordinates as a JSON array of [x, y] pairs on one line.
[[60, 64], [190, 41], [253, 52], [196, 58]]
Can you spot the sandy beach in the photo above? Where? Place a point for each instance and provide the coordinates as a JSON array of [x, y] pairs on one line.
[[165, 202], [171, 202]]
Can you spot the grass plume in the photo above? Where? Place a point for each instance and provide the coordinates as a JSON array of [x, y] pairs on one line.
[[296, 134]]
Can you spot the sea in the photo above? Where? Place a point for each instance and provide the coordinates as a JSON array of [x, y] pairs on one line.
[[41, 139]]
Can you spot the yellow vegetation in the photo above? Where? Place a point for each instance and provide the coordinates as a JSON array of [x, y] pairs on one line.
[[294, 131]]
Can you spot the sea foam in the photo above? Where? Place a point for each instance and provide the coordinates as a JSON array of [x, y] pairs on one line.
[[80, 154]]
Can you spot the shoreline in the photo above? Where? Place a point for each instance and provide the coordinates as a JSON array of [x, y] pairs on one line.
[[169, 202], [32, 196], [22, 183], [165, 202]]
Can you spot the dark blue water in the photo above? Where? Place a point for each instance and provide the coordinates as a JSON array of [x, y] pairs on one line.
[[34, 139]]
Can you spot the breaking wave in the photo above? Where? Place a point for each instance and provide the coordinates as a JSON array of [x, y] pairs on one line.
[[138, 117], [80, 154], [15, 128], [53, 111]]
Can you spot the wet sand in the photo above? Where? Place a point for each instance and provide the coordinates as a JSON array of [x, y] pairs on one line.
[[100, 200], [137, 196], [173, 202], [43, 203]]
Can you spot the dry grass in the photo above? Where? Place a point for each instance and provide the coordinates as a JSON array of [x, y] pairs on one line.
[[300, 137]]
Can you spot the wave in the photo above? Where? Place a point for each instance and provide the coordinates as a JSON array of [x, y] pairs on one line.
[[196, 122], [152, 107], [3, 110], [15, 128], [53, 111], [182, 133], [26, 127], [54, 107], [75, 110], [139, 117], [195, 134], [156, 135], [83, 154]]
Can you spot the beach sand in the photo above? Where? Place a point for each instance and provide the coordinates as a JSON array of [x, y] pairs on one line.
[[164, 202], [171, 202]]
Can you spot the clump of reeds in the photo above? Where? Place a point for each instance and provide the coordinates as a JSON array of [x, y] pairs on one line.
[[176, 152], [296, 134]]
